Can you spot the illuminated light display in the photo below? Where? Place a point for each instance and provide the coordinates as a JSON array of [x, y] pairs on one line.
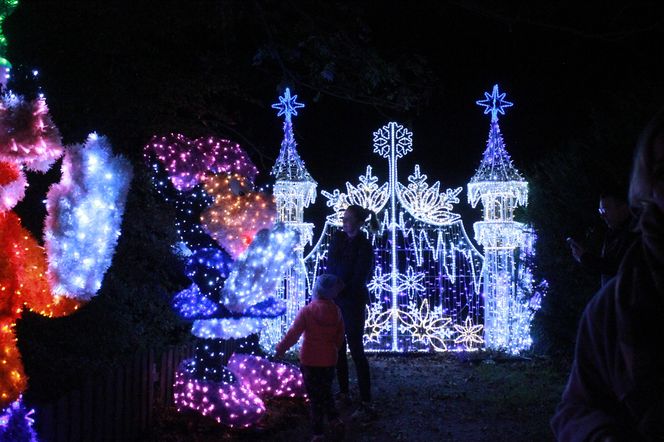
[[235, 258], [6, 8], [12, 185], [188, 161], [27, 133], [266, 378], [501, 188], [294, 190], [427, 273], [84, 217], [432, 290], [16, 423], [237, 213], [230, 403], [258, 272]]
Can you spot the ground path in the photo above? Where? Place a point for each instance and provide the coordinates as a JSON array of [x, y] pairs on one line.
[[441, 397]]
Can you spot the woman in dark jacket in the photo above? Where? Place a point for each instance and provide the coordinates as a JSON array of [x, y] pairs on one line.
[[615, 391], [351, 259]]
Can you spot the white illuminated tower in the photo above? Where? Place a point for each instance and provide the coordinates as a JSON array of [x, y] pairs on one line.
[[501, 188], [294, 190]]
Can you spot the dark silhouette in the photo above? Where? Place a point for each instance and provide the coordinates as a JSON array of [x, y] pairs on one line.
[[351, 259], [616, 388], [614, 211]]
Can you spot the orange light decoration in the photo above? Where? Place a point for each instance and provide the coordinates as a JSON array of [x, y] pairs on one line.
[[237, 212], [23, 284]]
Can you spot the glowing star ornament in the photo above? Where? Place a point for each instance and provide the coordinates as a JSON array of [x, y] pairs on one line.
[[494, 103], [287, 105], [84, 217], [501, 189], [294, 190]]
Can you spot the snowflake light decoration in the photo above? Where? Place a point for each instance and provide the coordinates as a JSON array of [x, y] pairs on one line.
[[426, 326], [468, 334]]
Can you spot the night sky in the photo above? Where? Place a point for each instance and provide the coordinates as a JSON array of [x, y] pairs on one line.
[[104, 67]]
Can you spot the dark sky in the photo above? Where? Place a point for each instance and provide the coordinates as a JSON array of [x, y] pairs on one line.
[[564, 66]]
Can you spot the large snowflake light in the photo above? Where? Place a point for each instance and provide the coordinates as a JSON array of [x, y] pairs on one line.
[[426, 272]]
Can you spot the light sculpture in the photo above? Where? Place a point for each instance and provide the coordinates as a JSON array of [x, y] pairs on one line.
[[427, 272], [82, 227], [432, 290], [501, 188], [294, 190], [235, 257]]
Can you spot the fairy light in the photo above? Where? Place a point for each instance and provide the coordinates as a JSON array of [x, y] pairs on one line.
[[188, 161], [431, 289], [237, 213], [33, 141], [501, 188], [235, 258], [427, 274], [294, 190], [18, 421], [93, 189]]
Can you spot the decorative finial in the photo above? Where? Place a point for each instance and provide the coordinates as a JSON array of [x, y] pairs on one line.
[[287, 105], [494, 103]]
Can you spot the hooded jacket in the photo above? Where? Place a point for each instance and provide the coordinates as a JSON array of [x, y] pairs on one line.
[[323, 328]]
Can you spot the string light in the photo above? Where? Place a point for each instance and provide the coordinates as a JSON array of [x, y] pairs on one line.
[[501, 188], [188, 161], [84, 212], [17, 422], [27, 133], [431, 289], [84, 217], [427, 274], [237, 213], [235, 259]]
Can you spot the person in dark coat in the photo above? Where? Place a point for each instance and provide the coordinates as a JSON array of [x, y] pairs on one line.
[[614, 210], [351, 258], [615, 390]]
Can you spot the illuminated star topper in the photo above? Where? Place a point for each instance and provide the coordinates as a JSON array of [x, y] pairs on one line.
[[287, 105], [494, 103]]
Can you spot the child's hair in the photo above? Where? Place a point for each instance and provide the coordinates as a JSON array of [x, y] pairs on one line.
[[327, 286], [365, 214]]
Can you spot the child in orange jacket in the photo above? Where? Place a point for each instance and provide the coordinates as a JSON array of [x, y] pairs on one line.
[[323, 328]]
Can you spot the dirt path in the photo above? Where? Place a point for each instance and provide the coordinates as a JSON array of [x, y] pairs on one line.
[[444, 397]]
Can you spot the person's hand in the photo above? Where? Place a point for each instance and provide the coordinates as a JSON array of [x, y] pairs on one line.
[[577, 249], [278, 354]]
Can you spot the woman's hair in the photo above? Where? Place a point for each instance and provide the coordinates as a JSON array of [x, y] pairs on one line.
[[362, 214], [640, 188]]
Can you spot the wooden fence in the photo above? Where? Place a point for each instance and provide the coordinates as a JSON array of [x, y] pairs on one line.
[[118, 406]]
